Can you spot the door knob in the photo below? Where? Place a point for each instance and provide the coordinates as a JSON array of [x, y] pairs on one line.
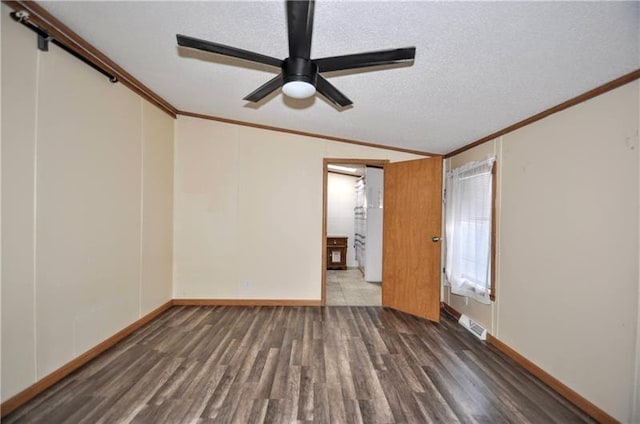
[[435, 239]]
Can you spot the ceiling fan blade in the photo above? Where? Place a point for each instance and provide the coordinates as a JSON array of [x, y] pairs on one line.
[[212, 47], [332, 94], [361, 60], [265, 89], [300, 22]]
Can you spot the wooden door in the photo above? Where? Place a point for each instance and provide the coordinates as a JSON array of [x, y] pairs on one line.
[[412, 216]]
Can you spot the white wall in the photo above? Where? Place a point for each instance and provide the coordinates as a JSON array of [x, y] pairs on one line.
[[248, 210], [86, 208], [567, 288], [341, 201]]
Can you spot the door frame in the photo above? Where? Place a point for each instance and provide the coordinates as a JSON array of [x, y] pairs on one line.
[[325, 176]]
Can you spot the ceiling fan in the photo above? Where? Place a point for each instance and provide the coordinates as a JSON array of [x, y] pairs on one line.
[[300, 75]]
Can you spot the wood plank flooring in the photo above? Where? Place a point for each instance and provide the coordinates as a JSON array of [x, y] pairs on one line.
[[298, 364]]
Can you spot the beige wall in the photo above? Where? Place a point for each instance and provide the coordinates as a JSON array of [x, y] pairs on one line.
[[248, 210], [567, 288], [18, 125], [156, 277], [636, 392], [87, 170]]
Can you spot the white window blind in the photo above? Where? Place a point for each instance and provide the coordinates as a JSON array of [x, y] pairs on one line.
[[468, 229]]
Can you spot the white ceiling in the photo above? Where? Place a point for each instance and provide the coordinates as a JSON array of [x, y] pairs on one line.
[[479, 67]]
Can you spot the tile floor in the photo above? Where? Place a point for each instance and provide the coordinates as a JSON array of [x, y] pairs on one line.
[[349, 288]]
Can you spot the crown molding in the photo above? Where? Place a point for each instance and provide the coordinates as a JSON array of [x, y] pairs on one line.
[[304, 133], [47, 22], [618, 82], [63, 34]]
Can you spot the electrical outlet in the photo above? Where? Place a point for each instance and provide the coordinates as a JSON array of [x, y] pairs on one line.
[[247, 284]]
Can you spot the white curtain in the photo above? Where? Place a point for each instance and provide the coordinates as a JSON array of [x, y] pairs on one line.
[[468, 229]]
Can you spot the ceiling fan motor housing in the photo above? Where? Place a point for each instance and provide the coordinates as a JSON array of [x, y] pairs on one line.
[[298, 69]]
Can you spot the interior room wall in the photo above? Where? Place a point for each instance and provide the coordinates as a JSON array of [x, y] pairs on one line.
[[19, 74], [156, 279], [636, 394], [248, 210], [87, 171], [567, 277], [340, 214]]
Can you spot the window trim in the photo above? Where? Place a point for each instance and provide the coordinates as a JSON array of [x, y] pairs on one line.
[[492, 283], [493, 235]]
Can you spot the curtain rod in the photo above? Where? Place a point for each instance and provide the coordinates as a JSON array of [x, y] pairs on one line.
[[44, 38]]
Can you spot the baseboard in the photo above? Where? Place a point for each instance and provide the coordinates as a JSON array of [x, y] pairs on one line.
[[573, 397], [39, 386], [450, 310], [247, 302]]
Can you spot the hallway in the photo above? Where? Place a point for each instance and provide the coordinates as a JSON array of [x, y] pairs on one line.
[[349, 288]]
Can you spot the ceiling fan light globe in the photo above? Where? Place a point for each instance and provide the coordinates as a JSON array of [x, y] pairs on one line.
[[298, 89]]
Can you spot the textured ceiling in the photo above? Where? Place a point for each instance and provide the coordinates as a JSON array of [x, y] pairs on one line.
[[479, 67]]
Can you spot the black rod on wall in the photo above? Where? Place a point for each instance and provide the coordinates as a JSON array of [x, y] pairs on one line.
[[44, 38]]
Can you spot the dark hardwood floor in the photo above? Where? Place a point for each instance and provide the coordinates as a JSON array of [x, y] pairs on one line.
[[299, 364]]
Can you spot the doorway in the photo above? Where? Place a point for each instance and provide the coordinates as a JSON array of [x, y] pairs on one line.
[[411, 250], [352, 221]]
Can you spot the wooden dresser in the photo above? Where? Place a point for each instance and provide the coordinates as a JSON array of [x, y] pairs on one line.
[[336, 252]]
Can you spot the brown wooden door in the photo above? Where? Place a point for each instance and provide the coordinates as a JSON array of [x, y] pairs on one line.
[[412, 215]]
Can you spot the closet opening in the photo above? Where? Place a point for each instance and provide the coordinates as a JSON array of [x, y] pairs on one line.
[[353, 201]]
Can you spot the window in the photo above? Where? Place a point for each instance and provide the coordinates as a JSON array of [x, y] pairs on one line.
[[469, 226]]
